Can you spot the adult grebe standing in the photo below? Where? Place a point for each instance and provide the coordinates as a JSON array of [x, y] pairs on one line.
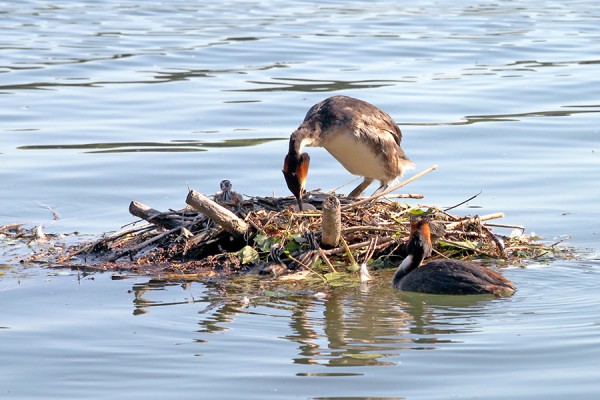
[[443, 276], [363, 138]]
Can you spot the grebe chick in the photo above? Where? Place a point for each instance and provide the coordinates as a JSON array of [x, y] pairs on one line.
[[227, 196], [276, 267], [443, 276], [305, 259], [363, 138]]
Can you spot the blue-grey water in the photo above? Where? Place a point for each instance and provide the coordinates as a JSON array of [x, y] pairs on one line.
[[105, 102]]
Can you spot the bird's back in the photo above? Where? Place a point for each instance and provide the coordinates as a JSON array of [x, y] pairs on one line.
[[363, 138], [346, 111], [455, 277]]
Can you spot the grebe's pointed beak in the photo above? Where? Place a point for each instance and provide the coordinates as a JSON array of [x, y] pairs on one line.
[[295, 171]]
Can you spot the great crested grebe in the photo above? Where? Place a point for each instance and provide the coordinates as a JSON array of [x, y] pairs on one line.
[[363, 138], [443, 276]]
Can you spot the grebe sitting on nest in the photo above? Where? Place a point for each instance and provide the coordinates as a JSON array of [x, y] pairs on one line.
[[443, 276], [363, 138]]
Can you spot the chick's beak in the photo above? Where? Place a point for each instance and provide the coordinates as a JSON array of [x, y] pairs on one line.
[[295, 171]]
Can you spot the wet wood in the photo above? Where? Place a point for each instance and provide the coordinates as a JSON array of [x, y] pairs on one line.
[[131, 251], [219, 214], [153, 216], [332, 222]]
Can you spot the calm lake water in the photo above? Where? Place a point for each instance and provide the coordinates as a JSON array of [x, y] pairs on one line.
[[105, 102]]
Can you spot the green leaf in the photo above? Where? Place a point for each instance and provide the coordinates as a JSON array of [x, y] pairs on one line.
[[353, 268], [416, 211], [462, 244], [340, 279], [332, 276], [264, 242], [291, 246], [247, 255]]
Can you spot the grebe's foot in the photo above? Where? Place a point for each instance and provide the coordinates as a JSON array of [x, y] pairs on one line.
[[365, 276]]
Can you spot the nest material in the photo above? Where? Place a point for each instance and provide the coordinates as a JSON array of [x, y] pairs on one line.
[[266, 235], [372, 233]]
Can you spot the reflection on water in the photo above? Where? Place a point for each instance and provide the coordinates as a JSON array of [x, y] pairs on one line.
[[174, 146], [140, 334], [474, 119], [306, 85], [329, 329]]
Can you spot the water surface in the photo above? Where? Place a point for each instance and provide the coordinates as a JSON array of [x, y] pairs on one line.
[[105, 102]]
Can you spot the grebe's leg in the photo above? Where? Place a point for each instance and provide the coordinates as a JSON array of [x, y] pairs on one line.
[[361, 187]]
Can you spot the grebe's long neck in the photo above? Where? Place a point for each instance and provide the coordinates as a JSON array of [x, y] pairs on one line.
[[410, 263], [418, 247], [295, 145], [303, 136]]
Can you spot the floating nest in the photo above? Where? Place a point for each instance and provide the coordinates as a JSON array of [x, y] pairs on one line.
[[279, 242]]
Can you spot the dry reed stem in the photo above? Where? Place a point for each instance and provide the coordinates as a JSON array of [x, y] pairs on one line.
[[475, 219], [132, 250], [88, 248], [342, 249], [307, 267], [326, 260]]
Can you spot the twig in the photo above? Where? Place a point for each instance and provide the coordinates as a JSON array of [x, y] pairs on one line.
[[348, 251], [368, 229], [326, 259], [398, 186], [497, 242], [439, 253], [113, 237], [521, 227], [55, 215], [560, 241], [473, 249], [404, 196], [338, 250], [540, 255], [255, 226], [341, 186], [463, 202], [132, 250], [308, 268], [37, 256], [471, 220], [438, 210], [456, 232]]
